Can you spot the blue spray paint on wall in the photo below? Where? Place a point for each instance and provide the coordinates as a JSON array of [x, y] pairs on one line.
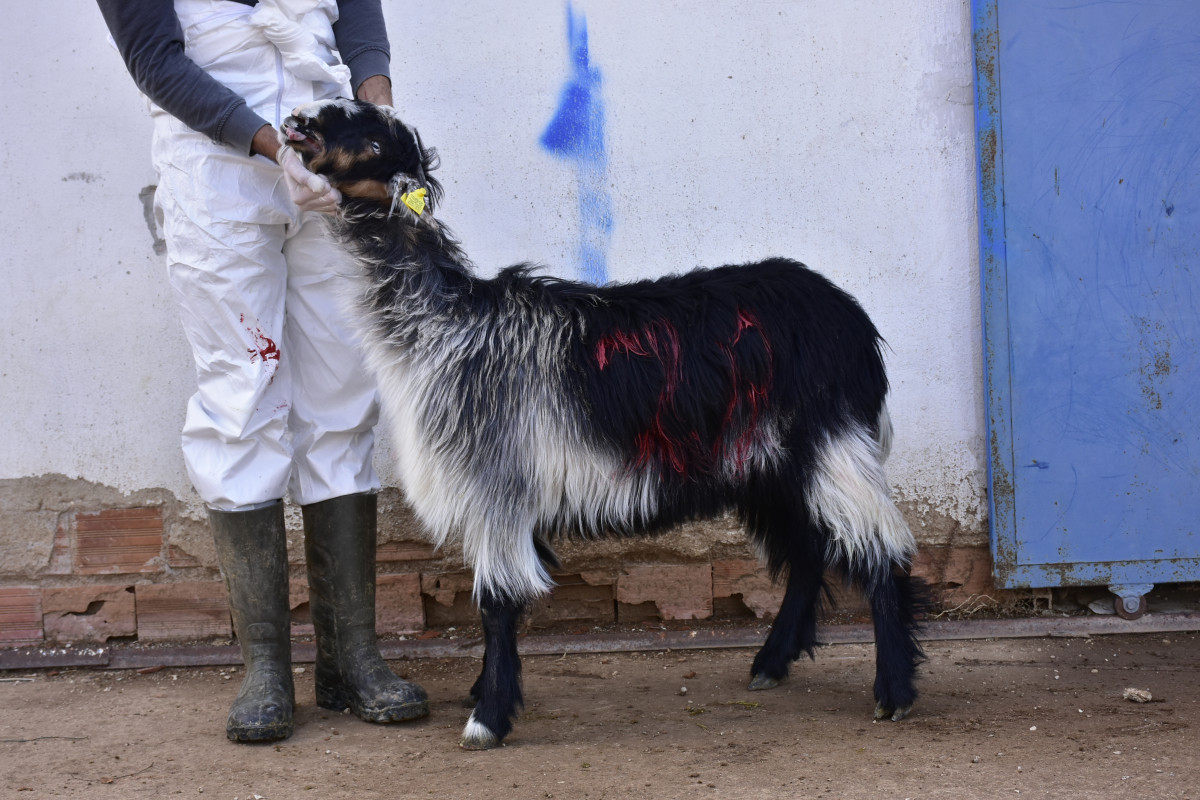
[[576, 133]]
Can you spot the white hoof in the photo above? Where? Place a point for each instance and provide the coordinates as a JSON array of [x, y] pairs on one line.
[[477, 736]]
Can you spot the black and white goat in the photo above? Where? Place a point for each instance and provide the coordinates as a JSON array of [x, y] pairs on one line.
[[526, 408]]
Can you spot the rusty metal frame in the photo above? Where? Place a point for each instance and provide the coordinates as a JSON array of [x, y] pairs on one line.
[[994, 286]]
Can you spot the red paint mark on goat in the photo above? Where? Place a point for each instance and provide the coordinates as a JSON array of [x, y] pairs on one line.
[[659, 340], [745, 321], [616, 342], [656, 340], [684, 451], [750, 395]]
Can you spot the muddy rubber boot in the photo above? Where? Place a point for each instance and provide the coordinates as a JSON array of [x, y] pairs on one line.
[[339, 543], [252, 551]]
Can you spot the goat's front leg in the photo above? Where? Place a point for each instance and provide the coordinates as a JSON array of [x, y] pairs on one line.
[[498, 690]]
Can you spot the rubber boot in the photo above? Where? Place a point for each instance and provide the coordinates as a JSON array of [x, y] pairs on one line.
[[252, 551], [339, 543]]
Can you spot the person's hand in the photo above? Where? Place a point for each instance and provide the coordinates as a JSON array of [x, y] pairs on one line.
[[309, 191], [376, 89]]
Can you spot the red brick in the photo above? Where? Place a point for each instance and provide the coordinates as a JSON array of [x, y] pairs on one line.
[[631, 613], [749, 581], [405, 551], [731, 608], [178, 558], [847, 599], [599, 577], [954, 574], [462, 611], [20, 615], [679, 591], [447, 599], [167, 611], [446, 587], [116, 541], [574, 599], [89, 613], [398, 604]]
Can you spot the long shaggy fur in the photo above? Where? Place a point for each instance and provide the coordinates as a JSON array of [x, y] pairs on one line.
[[527, 408]]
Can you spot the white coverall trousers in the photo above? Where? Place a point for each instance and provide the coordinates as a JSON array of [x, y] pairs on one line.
[[284, 400]]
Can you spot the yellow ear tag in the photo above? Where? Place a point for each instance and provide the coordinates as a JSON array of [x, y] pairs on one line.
[[415, 201]]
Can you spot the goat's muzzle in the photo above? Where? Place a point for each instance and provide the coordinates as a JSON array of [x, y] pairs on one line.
[[295, 133]]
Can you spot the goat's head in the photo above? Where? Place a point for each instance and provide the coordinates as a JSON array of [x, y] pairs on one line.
[[365, 151]]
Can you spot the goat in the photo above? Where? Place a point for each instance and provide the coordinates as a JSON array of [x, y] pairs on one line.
[[526, 408]]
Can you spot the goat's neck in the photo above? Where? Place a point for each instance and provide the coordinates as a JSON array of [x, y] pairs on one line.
[[415, 269]]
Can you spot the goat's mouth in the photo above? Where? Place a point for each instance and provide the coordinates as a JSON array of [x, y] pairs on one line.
[[300, 138]]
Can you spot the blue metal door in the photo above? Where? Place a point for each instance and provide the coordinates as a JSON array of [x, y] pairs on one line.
[[1088, 120]]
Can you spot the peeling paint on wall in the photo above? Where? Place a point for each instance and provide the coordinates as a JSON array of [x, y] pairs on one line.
[[146, 195]]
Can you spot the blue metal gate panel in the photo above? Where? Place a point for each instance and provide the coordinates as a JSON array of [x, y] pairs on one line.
[[1088, 120]]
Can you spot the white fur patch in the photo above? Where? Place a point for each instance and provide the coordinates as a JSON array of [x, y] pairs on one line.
[[477, 733], [565, 482], [849, 494], [885, 434], [759, 452]]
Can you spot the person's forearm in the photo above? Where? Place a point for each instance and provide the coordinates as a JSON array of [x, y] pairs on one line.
[[265, 142], [361, 36], [376, 89]]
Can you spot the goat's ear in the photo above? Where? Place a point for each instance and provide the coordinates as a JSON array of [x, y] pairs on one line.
[[408, 182], [403, 182], [406, 190]]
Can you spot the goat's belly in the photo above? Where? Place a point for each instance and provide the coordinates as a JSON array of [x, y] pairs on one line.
[[563, 483], [588, 490]]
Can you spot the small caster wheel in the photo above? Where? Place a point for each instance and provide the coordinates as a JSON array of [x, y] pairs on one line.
[[1130, 607]]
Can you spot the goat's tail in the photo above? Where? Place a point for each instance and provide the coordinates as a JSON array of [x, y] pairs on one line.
[[847, 495]]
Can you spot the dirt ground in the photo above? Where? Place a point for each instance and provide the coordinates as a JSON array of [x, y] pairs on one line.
[[997, 718]]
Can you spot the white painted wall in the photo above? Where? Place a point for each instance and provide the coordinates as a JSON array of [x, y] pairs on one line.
[[838, 133]]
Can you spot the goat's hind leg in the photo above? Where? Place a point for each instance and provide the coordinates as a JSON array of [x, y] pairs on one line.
[[895, 598], [792, 544], [793, 632], [497, 692]]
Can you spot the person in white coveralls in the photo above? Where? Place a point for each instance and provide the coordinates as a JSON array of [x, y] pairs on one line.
[[284, 402]]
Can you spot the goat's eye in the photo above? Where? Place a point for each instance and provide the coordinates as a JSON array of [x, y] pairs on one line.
[[376, 148]]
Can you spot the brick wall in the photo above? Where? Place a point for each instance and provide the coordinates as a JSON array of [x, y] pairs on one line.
[[114, 574]]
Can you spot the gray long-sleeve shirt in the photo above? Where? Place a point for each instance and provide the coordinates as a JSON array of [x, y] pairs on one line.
[[150, 39]]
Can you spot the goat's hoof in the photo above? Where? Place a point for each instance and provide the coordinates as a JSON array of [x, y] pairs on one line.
[[761, 681], [882, 712], [476, 736]]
